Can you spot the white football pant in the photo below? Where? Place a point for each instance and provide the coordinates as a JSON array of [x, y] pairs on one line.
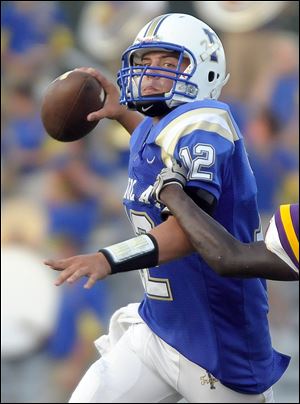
[[137, 366]]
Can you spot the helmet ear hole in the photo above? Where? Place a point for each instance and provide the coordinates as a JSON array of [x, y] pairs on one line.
[[211, 76]]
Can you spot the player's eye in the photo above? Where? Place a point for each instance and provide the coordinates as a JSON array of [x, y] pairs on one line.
[[170, 65], [145, 62]]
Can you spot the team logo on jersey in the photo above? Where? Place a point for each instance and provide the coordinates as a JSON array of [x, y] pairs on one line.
[[150, 161]]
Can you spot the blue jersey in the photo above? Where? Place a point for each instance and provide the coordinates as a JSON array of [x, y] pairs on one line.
[[219, 323]]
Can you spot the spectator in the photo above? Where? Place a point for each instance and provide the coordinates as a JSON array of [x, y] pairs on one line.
[[28, 305], [271, 163]]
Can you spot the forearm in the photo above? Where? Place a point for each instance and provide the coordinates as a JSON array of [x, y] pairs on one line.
[[164, 243], [211, 240], [222, 252], [129, 119], [172, 241]]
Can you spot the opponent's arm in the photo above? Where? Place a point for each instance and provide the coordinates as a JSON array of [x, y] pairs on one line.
[[112, 108], [164, 243], [223, 253]]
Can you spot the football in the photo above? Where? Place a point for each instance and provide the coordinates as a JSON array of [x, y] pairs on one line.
[[67, 102]]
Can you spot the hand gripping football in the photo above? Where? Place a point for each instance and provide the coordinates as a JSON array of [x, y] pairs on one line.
[[67, 102]]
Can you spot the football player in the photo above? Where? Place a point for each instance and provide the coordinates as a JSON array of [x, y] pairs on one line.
[[276, 258], [195, 334]]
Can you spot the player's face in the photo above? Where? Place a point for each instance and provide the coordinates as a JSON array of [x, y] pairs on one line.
[[157, 85]]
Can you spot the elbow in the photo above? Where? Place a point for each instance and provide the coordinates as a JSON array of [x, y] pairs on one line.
[[224, 266], [234, 262], [225, 261], [220, 262], [224, 256]]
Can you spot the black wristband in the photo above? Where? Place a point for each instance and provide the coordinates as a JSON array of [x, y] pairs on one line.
[[137, 253]]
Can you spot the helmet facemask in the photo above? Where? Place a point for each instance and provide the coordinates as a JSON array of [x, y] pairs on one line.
[[133, 72]]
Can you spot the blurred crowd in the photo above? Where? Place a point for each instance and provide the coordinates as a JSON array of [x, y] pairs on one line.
[[63, 199]]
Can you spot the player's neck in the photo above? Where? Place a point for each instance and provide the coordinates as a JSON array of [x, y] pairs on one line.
[[156, 119]]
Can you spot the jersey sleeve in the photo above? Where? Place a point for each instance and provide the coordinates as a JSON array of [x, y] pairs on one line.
[[282, 236], [203, 140]]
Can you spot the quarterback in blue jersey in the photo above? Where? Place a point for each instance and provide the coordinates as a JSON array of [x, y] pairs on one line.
[[195, 334]]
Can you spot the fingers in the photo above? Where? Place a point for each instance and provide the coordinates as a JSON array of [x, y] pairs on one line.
[[179, 169], [112, 108], [71, 274], [70, 277], [91, 282], [58, 265], [106, 84], [97, 115], [67, 273], [73, 268]]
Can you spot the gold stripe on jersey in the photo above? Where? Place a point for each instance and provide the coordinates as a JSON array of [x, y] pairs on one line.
[[285, 214], [208, 119]]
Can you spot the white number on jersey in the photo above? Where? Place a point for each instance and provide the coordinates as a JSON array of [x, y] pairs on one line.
[[156, 288], [205, 158]]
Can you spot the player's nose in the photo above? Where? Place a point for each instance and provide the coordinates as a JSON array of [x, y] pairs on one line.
[[152, 69]]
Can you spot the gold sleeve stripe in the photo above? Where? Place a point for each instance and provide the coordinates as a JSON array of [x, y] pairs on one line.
[[207, 119], [289, 229]]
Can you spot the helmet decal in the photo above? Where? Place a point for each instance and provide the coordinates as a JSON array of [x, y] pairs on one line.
[[211, 35]]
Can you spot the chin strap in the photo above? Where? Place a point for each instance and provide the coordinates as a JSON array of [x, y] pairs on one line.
[[151, 108], [157, 108]]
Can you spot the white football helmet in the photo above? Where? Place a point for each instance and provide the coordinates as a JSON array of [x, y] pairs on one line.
[[203, 78]]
